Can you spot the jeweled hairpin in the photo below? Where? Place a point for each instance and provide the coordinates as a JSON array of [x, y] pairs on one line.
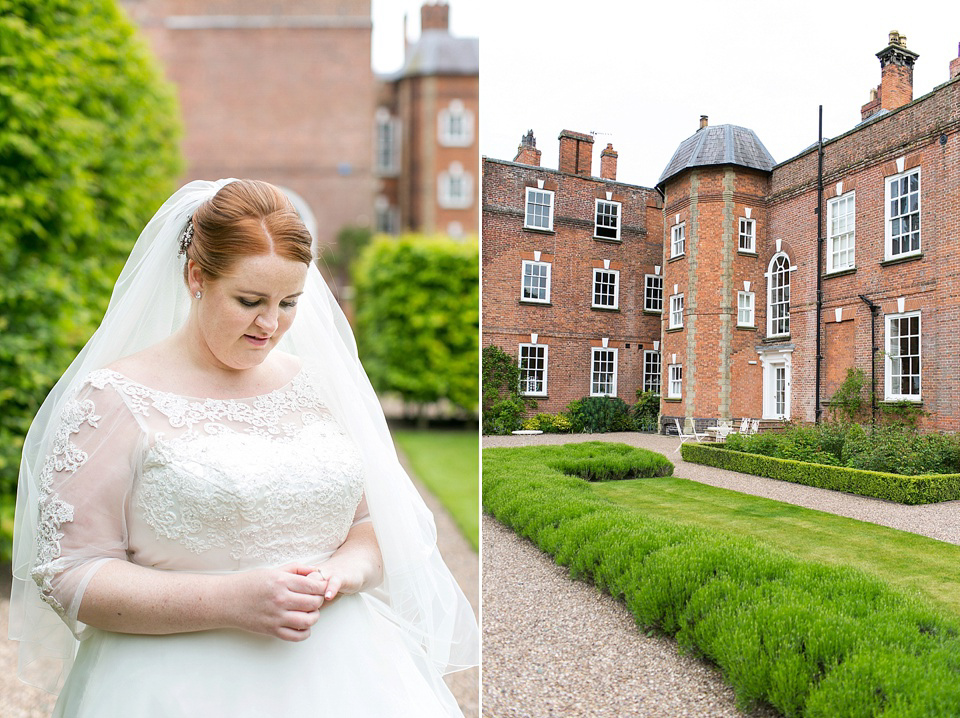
[[186, 236]]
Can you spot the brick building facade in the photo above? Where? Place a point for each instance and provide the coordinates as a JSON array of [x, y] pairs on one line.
[[565, 260], [277, 91], [744, 255], [427, 116]]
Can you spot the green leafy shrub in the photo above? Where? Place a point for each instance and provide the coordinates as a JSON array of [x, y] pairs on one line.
[[806, 638], [417, 318], [894, 448], [599, 461], [89, 133], [847, 405], [547, 423], [646, 412], [503, 406], [503, 416], [903, 489], [600, 414]]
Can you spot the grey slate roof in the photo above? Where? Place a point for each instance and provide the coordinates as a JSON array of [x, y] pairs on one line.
[[437, 52], [719, 145]]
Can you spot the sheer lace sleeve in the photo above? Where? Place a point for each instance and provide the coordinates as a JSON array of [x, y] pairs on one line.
[[362, 514], [85, 481]]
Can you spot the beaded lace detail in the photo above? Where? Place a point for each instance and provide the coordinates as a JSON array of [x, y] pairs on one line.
[[262, 480], [64, 456]]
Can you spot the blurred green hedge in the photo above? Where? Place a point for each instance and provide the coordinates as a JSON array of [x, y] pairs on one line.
[[418, 318], [89, 136]]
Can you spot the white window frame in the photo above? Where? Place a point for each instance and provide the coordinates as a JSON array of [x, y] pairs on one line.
[[890, 358], [616, 218], [841, 227], [747, 230], [778, 325], [675, 381], [616, 289], [523, 281], [539, 194], [676, 312], [889, 219], [455, 188], [387, 144], [594, 351], [386, 217], [455, 125], [652, 368], [653, 286], [678, 240], [545, 357], [746, 306]]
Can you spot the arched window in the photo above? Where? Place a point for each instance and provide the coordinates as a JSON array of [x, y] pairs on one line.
[[778, 296]]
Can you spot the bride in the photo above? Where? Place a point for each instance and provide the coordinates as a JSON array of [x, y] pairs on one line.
[[211, 517]]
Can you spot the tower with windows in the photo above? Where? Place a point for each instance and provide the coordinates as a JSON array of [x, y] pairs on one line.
[[727, 295]]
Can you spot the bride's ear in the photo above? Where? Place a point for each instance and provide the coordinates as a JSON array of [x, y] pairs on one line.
[[195, 277]]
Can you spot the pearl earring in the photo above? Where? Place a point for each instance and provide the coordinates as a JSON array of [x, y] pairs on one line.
[[197, 295]]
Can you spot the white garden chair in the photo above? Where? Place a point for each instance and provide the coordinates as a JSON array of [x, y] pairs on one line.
[[685, 437]]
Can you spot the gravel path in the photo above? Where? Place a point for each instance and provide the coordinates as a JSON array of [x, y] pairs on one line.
[[557, 647], [18, 700]]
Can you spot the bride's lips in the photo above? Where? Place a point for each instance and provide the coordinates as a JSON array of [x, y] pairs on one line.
[[256, 341]]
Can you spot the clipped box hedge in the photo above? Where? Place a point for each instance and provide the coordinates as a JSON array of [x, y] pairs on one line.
[[928, 489], [808, 639]]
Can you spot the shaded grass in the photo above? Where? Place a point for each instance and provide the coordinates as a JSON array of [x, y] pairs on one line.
[[448, 464], [903, 559]]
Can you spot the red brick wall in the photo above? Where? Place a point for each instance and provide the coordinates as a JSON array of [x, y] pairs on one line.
[[568, 325], [862, 159], [291, 105]]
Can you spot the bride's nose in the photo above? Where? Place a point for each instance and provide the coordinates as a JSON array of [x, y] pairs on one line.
[[267, 320]]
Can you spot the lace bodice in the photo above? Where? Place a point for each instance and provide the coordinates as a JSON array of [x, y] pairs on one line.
[[180, 483]]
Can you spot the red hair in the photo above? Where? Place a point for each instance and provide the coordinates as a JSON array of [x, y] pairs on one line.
[[246, 218]]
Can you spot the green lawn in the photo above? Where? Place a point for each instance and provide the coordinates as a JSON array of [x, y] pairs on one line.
[[906, 560], [448, 463]]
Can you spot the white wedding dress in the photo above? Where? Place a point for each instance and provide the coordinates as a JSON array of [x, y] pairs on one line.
[[208, 485]]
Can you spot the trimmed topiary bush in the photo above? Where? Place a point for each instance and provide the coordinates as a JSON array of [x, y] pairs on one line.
[[808, 639], [903, 489], [599, 461]]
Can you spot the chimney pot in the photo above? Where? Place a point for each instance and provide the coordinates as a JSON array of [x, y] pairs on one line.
[[434, 16], [703, 121], [576, 153], [527, 152], [955, 65], [896, 77], [608, 162]]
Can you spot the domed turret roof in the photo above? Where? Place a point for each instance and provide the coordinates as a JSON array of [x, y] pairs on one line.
[[719, 145]]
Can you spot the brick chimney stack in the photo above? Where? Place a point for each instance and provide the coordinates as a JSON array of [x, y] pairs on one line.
[[576, 153], [435, 16], [703, 121], [608, 163], [896, 77], [955, 65], [527, 152]]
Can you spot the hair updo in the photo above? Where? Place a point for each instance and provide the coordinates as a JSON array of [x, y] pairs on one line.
[[246, 218]]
